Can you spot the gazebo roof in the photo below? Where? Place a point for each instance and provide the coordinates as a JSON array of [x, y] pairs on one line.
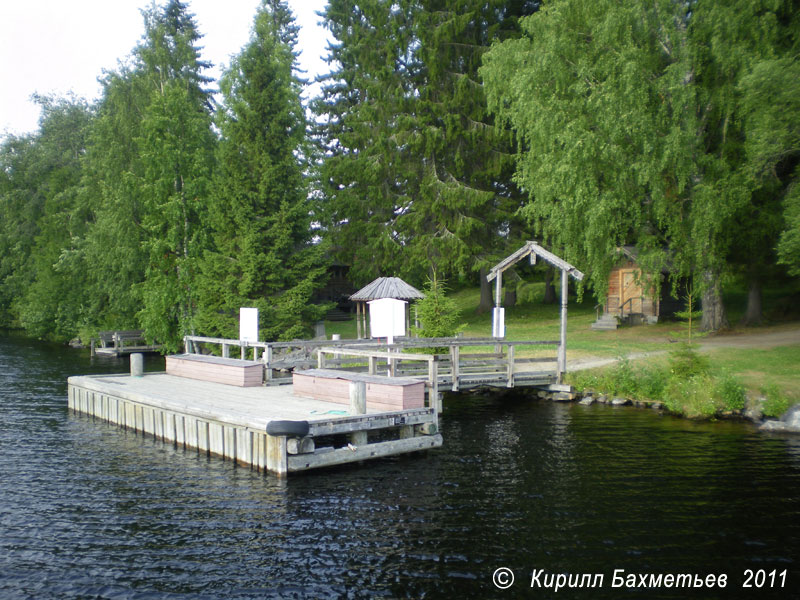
[[387, 287]]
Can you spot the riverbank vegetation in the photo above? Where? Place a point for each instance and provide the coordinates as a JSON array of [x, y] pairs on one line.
[[445, 134]]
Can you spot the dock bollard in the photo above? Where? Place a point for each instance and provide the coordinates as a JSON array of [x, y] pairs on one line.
[[137, 364]]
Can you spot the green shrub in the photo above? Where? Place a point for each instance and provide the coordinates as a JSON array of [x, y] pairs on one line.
[[624, 381], [692, 397], [686, 362], [776, 403], [438, 313], [652, 381], [730, 392], [583, 380]]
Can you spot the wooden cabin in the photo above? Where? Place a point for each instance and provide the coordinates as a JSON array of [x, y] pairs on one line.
[[631, 298]]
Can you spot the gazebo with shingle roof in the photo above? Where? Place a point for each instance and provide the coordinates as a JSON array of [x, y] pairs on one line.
[[382, 287]]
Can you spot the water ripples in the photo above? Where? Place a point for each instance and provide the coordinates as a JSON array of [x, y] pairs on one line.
[[88, 510]]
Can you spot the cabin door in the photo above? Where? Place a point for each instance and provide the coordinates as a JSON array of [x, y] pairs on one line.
[[630, 290]]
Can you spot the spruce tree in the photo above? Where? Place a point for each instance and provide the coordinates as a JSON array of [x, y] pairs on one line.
[[417, 176], [364, 175], [260, 213], [151, 165]]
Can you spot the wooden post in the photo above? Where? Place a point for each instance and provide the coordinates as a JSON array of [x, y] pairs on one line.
[[454, 358], [92, 349], [373, 365], [562, 347], [433, 379], [358, 406], [277, 459], [226, 351], [320, 359], [267, 358], [510, 373], [243, 350], [358, 320]]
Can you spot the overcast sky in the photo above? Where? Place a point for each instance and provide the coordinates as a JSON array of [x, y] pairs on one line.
[[57, 46]]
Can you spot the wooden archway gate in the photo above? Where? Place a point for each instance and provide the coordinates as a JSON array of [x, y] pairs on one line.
[[534, 250]]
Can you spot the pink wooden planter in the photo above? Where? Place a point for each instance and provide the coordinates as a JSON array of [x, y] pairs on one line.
[[230, 371], [383, 393]]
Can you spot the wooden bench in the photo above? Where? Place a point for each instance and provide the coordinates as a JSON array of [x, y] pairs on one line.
[[230, 371], [383, 393]]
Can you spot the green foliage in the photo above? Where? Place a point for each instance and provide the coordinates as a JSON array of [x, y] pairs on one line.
[[645, 122], [693, 397], [686, 362], [789, 243], [686, 385], [730, 391], [670, 125], [775, 403], [625, 381], [437, 312], [652, 382], [47, 291], [262, 253], [417, 175], [690, 316], [605, 122]]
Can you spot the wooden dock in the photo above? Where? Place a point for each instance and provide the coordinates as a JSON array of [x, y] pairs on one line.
[[248, 409], [121, 343], [267, 428]]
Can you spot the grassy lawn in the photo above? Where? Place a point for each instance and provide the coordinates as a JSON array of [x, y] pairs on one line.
[[756, 367]]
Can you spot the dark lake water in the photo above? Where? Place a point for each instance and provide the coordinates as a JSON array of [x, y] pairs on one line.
[[88, 510]]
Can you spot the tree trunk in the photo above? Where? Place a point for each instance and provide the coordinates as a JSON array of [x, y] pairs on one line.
[[549, 290], [714, 317], [487, 301], [511, 297], [753, 315]]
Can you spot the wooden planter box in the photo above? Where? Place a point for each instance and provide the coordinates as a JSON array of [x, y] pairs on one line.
[[383, 393], [230, 371]]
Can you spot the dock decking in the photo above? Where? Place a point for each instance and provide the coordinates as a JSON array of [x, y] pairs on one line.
[[232, 422], [121, 343]]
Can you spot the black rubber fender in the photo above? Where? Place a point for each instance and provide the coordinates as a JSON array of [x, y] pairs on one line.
[[288, 428]]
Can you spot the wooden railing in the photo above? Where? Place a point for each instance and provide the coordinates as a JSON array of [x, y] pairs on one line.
[[628, 301], [466, 361], [455, 368]]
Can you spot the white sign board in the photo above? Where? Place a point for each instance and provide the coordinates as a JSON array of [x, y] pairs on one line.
[[248, 324], [387, 318], [499, 322]]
